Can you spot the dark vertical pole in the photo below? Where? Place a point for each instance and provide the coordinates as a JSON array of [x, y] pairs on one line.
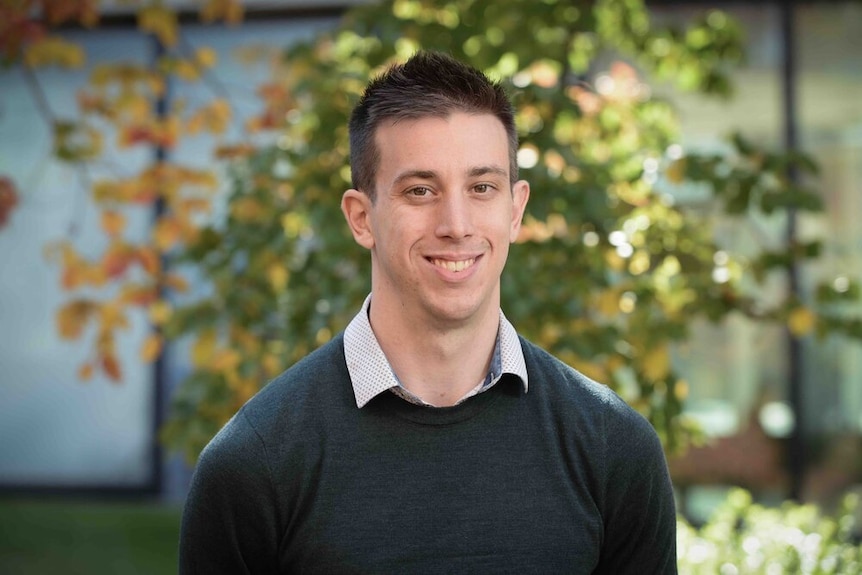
[[796, 459], [160, 365]]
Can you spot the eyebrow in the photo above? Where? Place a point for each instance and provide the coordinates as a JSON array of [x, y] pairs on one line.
[[430, 174]]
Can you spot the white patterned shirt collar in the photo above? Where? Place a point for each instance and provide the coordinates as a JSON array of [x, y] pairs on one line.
[[371, 374]]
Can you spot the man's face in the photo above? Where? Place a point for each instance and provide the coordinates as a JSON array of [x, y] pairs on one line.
[[444, 216]]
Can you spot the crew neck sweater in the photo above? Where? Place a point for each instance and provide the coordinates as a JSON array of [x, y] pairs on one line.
[[564, 478]]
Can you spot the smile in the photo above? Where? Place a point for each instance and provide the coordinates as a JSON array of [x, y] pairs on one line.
[[453, 266]]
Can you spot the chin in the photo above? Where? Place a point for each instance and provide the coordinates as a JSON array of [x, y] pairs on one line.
[[456, 310]]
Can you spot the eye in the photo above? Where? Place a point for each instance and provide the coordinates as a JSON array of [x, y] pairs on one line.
[[483, 188], [418, 192]]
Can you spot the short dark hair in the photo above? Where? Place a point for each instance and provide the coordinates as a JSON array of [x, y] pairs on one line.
[[427, 84]]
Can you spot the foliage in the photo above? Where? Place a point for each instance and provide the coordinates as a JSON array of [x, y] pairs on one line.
[[617, 255], [744, 538], [610, 270], [120, 109]]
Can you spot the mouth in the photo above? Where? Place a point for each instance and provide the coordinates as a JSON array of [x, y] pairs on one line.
[[453, 265]]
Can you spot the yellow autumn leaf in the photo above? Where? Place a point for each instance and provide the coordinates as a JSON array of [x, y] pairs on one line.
[[226, 360], [133, 107], [245, 389], [247, 209], [54, 51], [272, 365], [160, 312], [681, 389], [230, 11], [656, 363], [213, 118], [614, 260], [166, 233], [593, 370], [801, 321], [113, 223], [186, 70], [607, 302], [206, 57], [203, 349], [675, 172], [278, 276], [112, 316], [160, 22], [244, 339], [151, 348]]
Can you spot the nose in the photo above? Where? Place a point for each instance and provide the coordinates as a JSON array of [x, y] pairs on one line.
[[454, 216]]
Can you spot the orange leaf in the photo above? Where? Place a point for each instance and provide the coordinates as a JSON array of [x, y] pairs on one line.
[[149, 260], [61, 11], [116, 261], [131, 135], [177, 283], [167, 233], [113, 223], [235, 151], [151, 348], [139, 295], [213, 118], [112, 316], [72, 318], [111, 367], [72, 278], [85, 372]]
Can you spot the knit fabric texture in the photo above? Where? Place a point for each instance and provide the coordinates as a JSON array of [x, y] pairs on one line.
[[564, 478]]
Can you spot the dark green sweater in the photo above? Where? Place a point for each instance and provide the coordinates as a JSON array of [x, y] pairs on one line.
[[565, 478]]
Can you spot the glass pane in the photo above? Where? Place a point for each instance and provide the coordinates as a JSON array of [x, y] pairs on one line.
[[737, 367], [829, 40], [56, 430]]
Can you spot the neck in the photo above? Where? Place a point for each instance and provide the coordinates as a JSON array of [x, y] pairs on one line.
[[437, 363]]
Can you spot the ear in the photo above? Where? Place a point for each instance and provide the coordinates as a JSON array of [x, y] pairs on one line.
[[520, 195], [356, 207]]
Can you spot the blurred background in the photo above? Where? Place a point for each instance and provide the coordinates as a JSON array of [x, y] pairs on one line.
[[125, 330]]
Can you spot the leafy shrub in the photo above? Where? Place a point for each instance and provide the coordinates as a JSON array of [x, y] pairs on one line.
[[746, 538]]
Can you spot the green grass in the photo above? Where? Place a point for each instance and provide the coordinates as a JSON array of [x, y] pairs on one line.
[[88, 538]]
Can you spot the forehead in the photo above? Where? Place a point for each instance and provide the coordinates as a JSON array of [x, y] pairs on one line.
[[458, 141]]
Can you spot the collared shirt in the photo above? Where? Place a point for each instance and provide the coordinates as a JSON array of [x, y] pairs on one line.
[[371, 373]]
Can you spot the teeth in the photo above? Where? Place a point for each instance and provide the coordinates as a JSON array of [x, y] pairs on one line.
[[454, 266]]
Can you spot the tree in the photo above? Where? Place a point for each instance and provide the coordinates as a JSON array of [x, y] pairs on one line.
[[613, 266]]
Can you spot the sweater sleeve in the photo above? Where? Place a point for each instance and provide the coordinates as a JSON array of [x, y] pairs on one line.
[[640, 513], [229, 523]]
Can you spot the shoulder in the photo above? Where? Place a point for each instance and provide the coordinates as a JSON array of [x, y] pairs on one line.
[[593, 406], [304, 393], [548, 374]]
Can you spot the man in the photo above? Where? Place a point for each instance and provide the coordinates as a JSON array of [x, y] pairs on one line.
[[428, 437]]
